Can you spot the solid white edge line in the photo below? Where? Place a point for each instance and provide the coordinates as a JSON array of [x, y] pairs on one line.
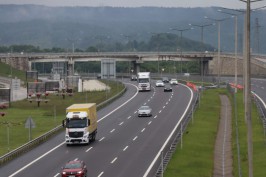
[[21, 169], [29, 164], [121, 104], [259, 99], [169, 137]]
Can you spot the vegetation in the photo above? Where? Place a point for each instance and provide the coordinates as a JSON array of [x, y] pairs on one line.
[[196, 157], [46, 117]]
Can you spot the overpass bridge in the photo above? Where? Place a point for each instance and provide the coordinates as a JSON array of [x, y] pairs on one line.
[[209, 60]]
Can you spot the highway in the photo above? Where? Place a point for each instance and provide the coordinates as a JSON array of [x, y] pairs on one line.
[[126, 145]]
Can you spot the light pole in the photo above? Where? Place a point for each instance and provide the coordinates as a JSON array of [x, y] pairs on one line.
[[181, 48], [219, 45], [236, 46], [201, 65]]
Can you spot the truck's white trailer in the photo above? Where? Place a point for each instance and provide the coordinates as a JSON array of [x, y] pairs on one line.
[[144, 81]]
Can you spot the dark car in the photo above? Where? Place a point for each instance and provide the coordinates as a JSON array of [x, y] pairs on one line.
[[167, 88], [75, 168], [134, 78], [165, 79]]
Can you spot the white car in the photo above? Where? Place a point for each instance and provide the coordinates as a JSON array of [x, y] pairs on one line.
[[173, 82], [159, 83], [144, 111]]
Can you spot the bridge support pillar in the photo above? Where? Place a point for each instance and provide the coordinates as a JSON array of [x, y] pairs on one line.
[[205, 68], [70, 67], [136, 67], [29, 65]]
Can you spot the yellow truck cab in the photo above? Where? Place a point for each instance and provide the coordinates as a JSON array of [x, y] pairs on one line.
[[80, 123]]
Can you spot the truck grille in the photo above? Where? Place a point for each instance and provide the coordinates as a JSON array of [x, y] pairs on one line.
[[75, 134]]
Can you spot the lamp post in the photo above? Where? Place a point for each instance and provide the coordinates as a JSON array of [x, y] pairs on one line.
[[201, 65], [181, 39], [219, 45]]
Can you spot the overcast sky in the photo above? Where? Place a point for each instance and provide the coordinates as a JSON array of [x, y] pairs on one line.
[[237, 4]]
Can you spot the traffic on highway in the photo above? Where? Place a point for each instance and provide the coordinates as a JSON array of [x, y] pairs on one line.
[[126, 145]]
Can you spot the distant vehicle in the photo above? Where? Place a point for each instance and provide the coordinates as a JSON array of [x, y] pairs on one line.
[[80, 123], [167, 88], [173, 82], [187, 74], [134, 78], [75, 168], [144, 81], [159, 83], [165, 79], [144, 111]]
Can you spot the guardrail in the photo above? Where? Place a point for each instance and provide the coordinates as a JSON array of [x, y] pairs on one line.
[[33, 143], [172, 144]]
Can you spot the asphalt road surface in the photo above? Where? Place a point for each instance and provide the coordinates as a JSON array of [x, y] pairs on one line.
[[126, 145]]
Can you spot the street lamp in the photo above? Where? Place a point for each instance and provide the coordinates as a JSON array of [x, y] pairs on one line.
[[219, 44], [181, 50], [201, 65]]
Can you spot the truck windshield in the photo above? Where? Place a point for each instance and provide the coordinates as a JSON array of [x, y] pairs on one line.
[[76, 123], [143, 80]]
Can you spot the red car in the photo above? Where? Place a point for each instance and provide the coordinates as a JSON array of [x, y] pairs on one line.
[[75, 168]]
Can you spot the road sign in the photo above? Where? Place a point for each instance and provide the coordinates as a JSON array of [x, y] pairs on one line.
[[30, 123]]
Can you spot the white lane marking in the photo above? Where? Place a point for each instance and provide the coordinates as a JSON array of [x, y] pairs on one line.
[[29, 164], [160, 111], [121, 123], [135, 138], [143, 130], [262, 88], [155, 117], [102, 139], [135, 112], [149, 122], [120, 105], [149, 100], [163, 107], [88, 149], [166, 103], [56, 174], [169, 137], [114, 160], [100, 174], [129, 117], [125, 148], [75, 159], [144, 103], [112, 131]]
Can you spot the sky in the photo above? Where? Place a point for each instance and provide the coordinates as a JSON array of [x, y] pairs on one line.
[[235, 4]]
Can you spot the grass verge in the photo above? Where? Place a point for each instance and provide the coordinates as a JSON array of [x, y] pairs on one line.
[[46, 117]]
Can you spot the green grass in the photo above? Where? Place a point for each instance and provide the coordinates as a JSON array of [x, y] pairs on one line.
[[43, 116], [259, 141], [6, 71], [196, 157]]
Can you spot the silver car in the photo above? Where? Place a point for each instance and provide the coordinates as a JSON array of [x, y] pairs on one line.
[[144, 111]]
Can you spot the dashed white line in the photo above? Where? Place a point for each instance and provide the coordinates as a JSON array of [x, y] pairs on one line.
[[100, 174], [129, 116], [114, 160], [160, 111], [149, 100], [155, 117], [102, 139], [143, 130], [88, 149], [125, 148], [144, 103], [169, 100], [121, 123], [262, 87], [56, 174], [135, 138], [163, 107], [149, 122], [75, 159], [166, 103], [112, 131], [135, 112]]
